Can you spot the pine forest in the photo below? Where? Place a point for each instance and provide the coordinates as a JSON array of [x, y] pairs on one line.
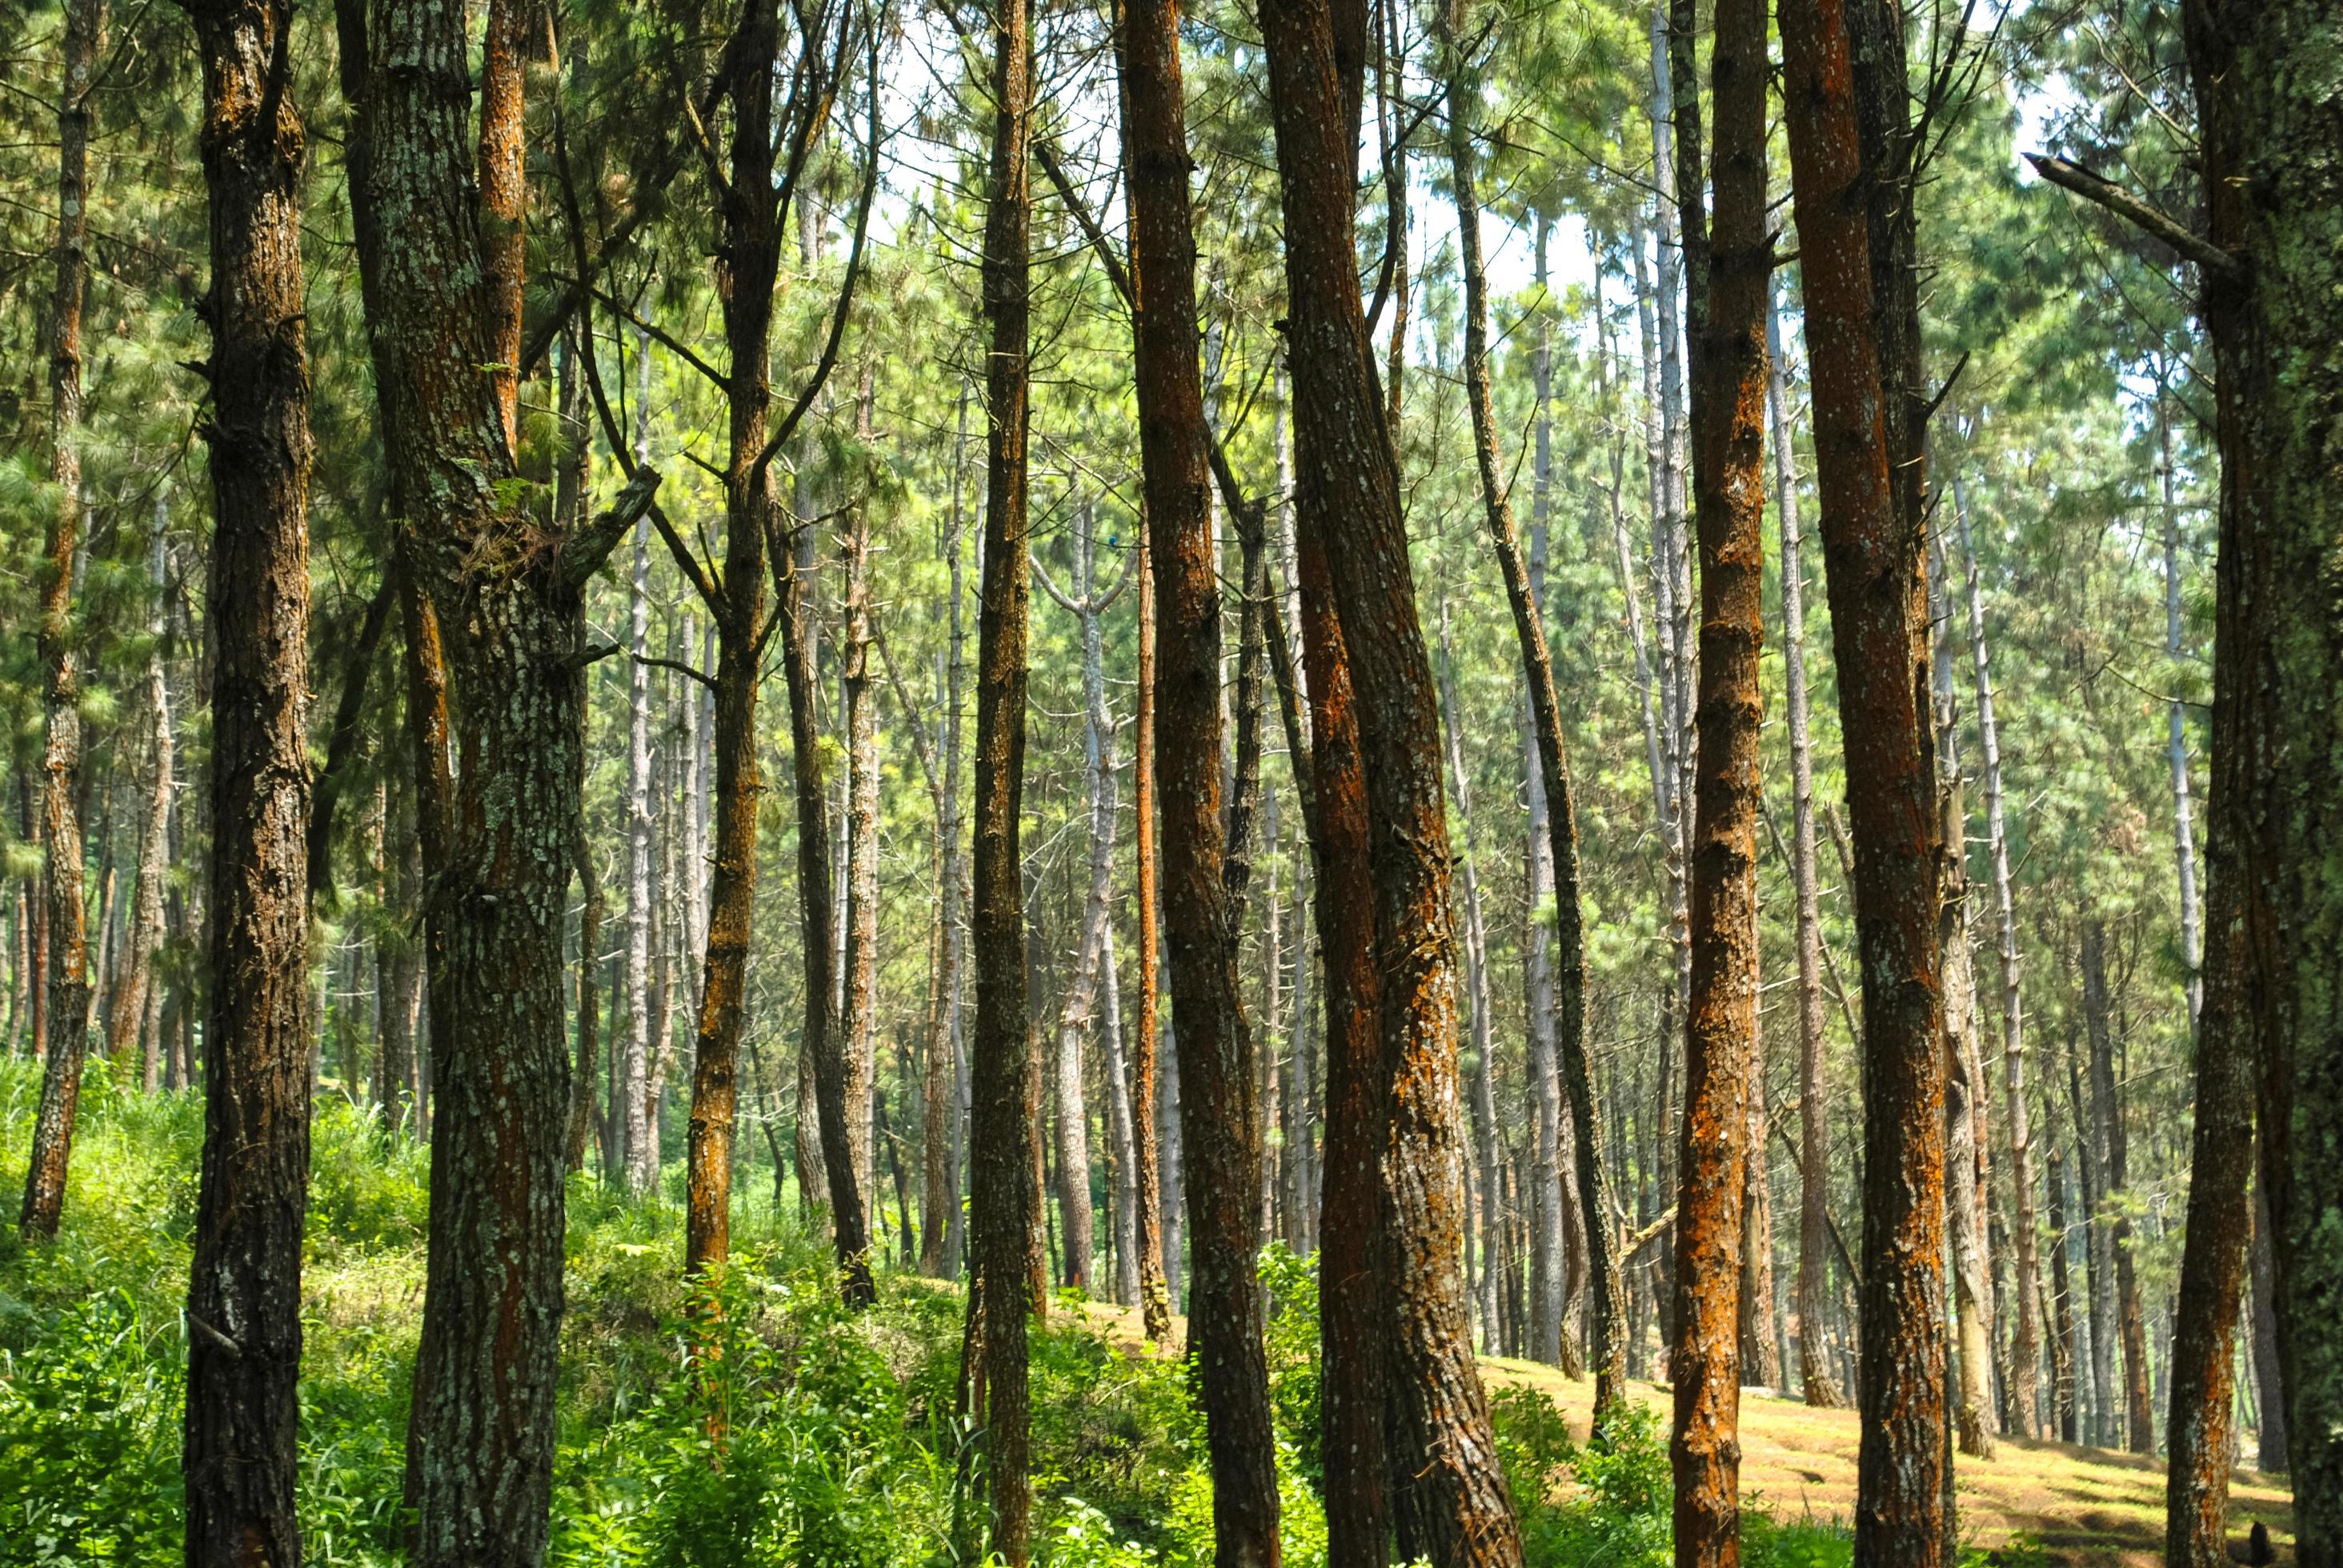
[[1287, 784]]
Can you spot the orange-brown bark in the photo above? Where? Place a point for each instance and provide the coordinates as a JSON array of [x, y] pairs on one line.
[[1873, 567]]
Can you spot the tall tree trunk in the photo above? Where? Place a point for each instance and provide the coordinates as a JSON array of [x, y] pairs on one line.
[[1728, 278], [637, 1137], [1086, 603], [1553, 770], [482, 1432], [755, 208], [2269, 1376], [955, 867], [1550, 1200], [1967, 1176], [1150, 1239], [2267, 107], [401, 949], [1299, 1157], [1219, 1117], [2063, 1372], [65, 987], [2128, 1329], [588, 1018], [1274, 1032], [2176, 730], [2222, 1219], [1873, 564], [140, 983], [821, 1079], [2090, 1107], [1671, 547], [1480, 1243], [1355, 1203], [572, 474], [1001, 1066], [2026, 1347], [1349, 505], [244, 1300], [1121, 1134], [860, 1018]]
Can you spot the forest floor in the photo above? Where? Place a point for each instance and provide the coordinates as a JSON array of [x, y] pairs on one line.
[[842, 1442], [2090, 1507]]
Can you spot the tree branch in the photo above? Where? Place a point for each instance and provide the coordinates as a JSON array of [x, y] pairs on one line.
[[2067, 175], [583, 553], [814, 382]]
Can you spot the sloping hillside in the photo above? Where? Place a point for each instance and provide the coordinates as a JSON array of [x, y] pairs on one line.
[[2084, 1506]]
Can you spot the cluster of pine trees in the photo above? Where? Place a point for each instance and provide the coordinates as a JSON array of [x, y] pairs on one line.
[[1431, 815]]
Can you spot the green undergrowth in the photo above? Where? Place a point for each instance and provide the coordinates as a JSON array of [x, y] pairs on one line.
[[799, 1433]]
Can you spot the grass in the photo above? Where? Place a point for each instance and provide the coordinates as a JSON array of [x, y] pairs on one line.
[[844, 1448], [2091, 1507]]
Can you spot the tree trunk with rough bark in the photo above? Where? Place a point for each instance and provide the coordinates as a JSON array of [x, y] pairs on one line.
[[2201, 1422], [1002, 1203], [1219, 1119], [2129, 1330], [1873, 564], [2270, 1373], [630, 1095], [2268, 100], [2061, 1304], [481, 1430], [244, 1300], [952, 897], [1348, 501], [1728, 272], [1550, 1199], [65, 975]]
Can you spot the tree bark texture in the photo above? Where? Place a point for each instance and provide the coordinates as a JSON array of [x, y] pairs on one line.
[[1219, 1120], [244, 1300], [481, 1428], [630, 1096], [1728, 273], [1348, 498], [1968, 1176], [2269, 102], [65, 975], [1873, 565], [823, 1049], [1552, 1209], [1002, 1200], [860, 1019]]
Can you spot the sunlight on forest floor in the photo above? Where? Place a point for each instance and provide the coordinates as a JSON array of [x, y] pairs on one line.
[[2085, 1506]]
